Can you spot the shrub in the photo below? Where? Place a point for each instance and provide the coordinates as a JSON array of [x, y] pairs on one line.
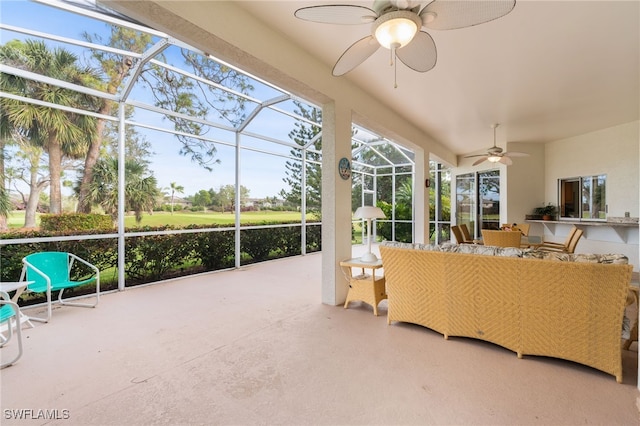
[[215, 249], [155, 257], [75, 222], [258, 243]]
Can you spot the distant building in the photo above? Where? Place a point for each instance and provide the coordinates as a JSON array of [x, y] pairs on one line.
[[177, 201], [262, 203]]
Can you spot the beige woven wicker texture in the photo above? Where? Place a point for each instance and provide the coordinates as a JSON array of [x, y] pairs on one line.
[[501, 238], [558, 309]]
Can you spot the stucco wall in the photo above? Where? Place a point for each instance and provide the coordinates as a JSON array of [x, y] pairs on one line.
[[614, 152]]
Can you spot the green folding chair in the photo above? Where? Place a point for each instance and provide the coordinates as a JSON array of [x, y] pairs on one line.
[[9, 317], [51, 271]]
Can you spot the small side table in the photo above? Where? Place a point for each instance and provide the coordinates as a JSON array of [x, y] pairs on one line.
[[365, 287], [19, 287]]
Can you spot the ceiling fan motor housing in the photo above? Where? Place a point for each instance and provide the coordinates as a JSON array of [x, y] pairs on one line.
[[383, 6]]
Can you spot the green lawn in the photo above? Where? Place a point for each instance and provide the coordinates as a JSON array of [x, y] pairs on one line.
[[184, 218]]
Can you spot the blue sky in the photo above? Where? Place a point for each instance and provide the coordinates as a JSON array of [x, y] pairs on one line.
[[261, 173]]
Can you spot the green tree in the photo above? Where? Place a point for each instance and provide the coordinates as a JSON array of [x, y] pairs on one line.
[[304, 135], [5, 206], [30, 169], [5, 139], [227, 196], [114, 68], [136, 144], [194, 98], [404, 194], [172, 91], [61, 133], [202, 199]]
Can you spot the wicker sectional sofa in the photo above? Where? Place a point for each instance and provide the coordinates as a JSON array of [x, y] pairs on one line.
[[555, 305]]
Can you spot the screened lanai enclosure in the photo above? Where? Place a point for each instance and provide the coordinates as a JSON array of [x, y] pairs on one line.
[[153, 160]]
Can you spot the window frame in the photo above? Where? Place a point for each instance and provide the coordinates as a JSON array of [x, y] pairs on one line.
[[580, 202]]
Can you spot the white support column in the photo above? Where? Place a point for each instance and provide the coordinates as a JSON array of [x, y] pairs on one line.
[[121, 198], [336, 202], [238, 246], [421, 197]]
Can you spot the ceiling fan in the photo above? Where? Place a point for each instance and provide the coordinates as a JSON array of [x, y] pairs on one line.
[[396, 24], [495, 154]]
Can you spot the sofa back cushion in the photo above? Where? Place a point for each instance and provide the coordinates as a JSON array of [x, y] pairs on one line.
[[608, 258]]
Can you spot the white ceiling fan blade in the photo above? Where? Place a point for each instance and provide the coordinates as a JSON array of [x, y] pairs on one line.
[[505, 160], [356, 54], [475, 163], [450, 15], [341, 14], [419, 55], [514, 154]]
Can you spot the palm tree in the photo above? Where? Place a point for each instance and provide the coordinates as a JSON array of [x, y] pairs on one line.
[[404, 194], [140, 187], [4, 196], [175, 188], [5, 207], [60, 133]]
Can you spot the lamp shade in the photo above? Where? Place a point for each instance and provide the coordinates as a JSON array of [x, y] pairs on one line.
[[369, 212]]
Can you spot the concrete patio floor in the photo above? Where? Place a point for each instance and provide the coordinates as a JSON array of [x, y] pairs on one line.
[[256, 347]]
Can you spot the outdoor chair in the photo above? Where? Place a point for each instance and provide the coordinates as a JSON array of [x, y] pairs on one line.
[[501, 238], [524, 228], [51, 271], [466, 235], [458, 234], [569, 245], [9, 312]]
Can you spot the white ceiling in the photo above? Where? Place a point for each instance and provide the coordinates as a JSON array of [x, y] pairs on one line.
[[546, 71]]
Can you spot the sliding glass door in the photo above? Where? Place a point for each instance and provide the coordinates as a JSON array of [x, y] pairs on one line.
[[478, 201], [466, 201], [489, 199]]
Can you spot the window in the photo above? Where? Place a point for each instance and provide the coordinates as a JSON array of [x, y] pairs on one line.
[[583, 198]]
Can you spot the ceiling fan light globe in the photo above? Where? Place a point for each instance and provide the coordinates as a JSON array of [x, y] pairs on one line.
[[493, 158], [396, 29]]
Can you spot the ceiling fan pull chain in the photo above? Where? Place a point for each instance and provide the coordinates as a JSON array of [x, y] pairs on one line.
[[395, 73], [394, 63]]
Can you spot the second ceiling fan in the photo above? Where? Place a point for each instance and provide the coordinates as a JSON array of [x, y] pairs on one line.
[[495, 153], [396, 25]]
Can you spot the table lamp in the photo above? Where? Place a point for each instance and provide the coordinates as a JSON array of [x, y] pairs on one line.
[[369, 212]]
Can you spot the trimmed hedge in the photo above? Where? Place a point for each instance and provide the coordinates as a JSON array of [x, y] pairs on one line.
[[152, 258], [101, 252], [72, 222]]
